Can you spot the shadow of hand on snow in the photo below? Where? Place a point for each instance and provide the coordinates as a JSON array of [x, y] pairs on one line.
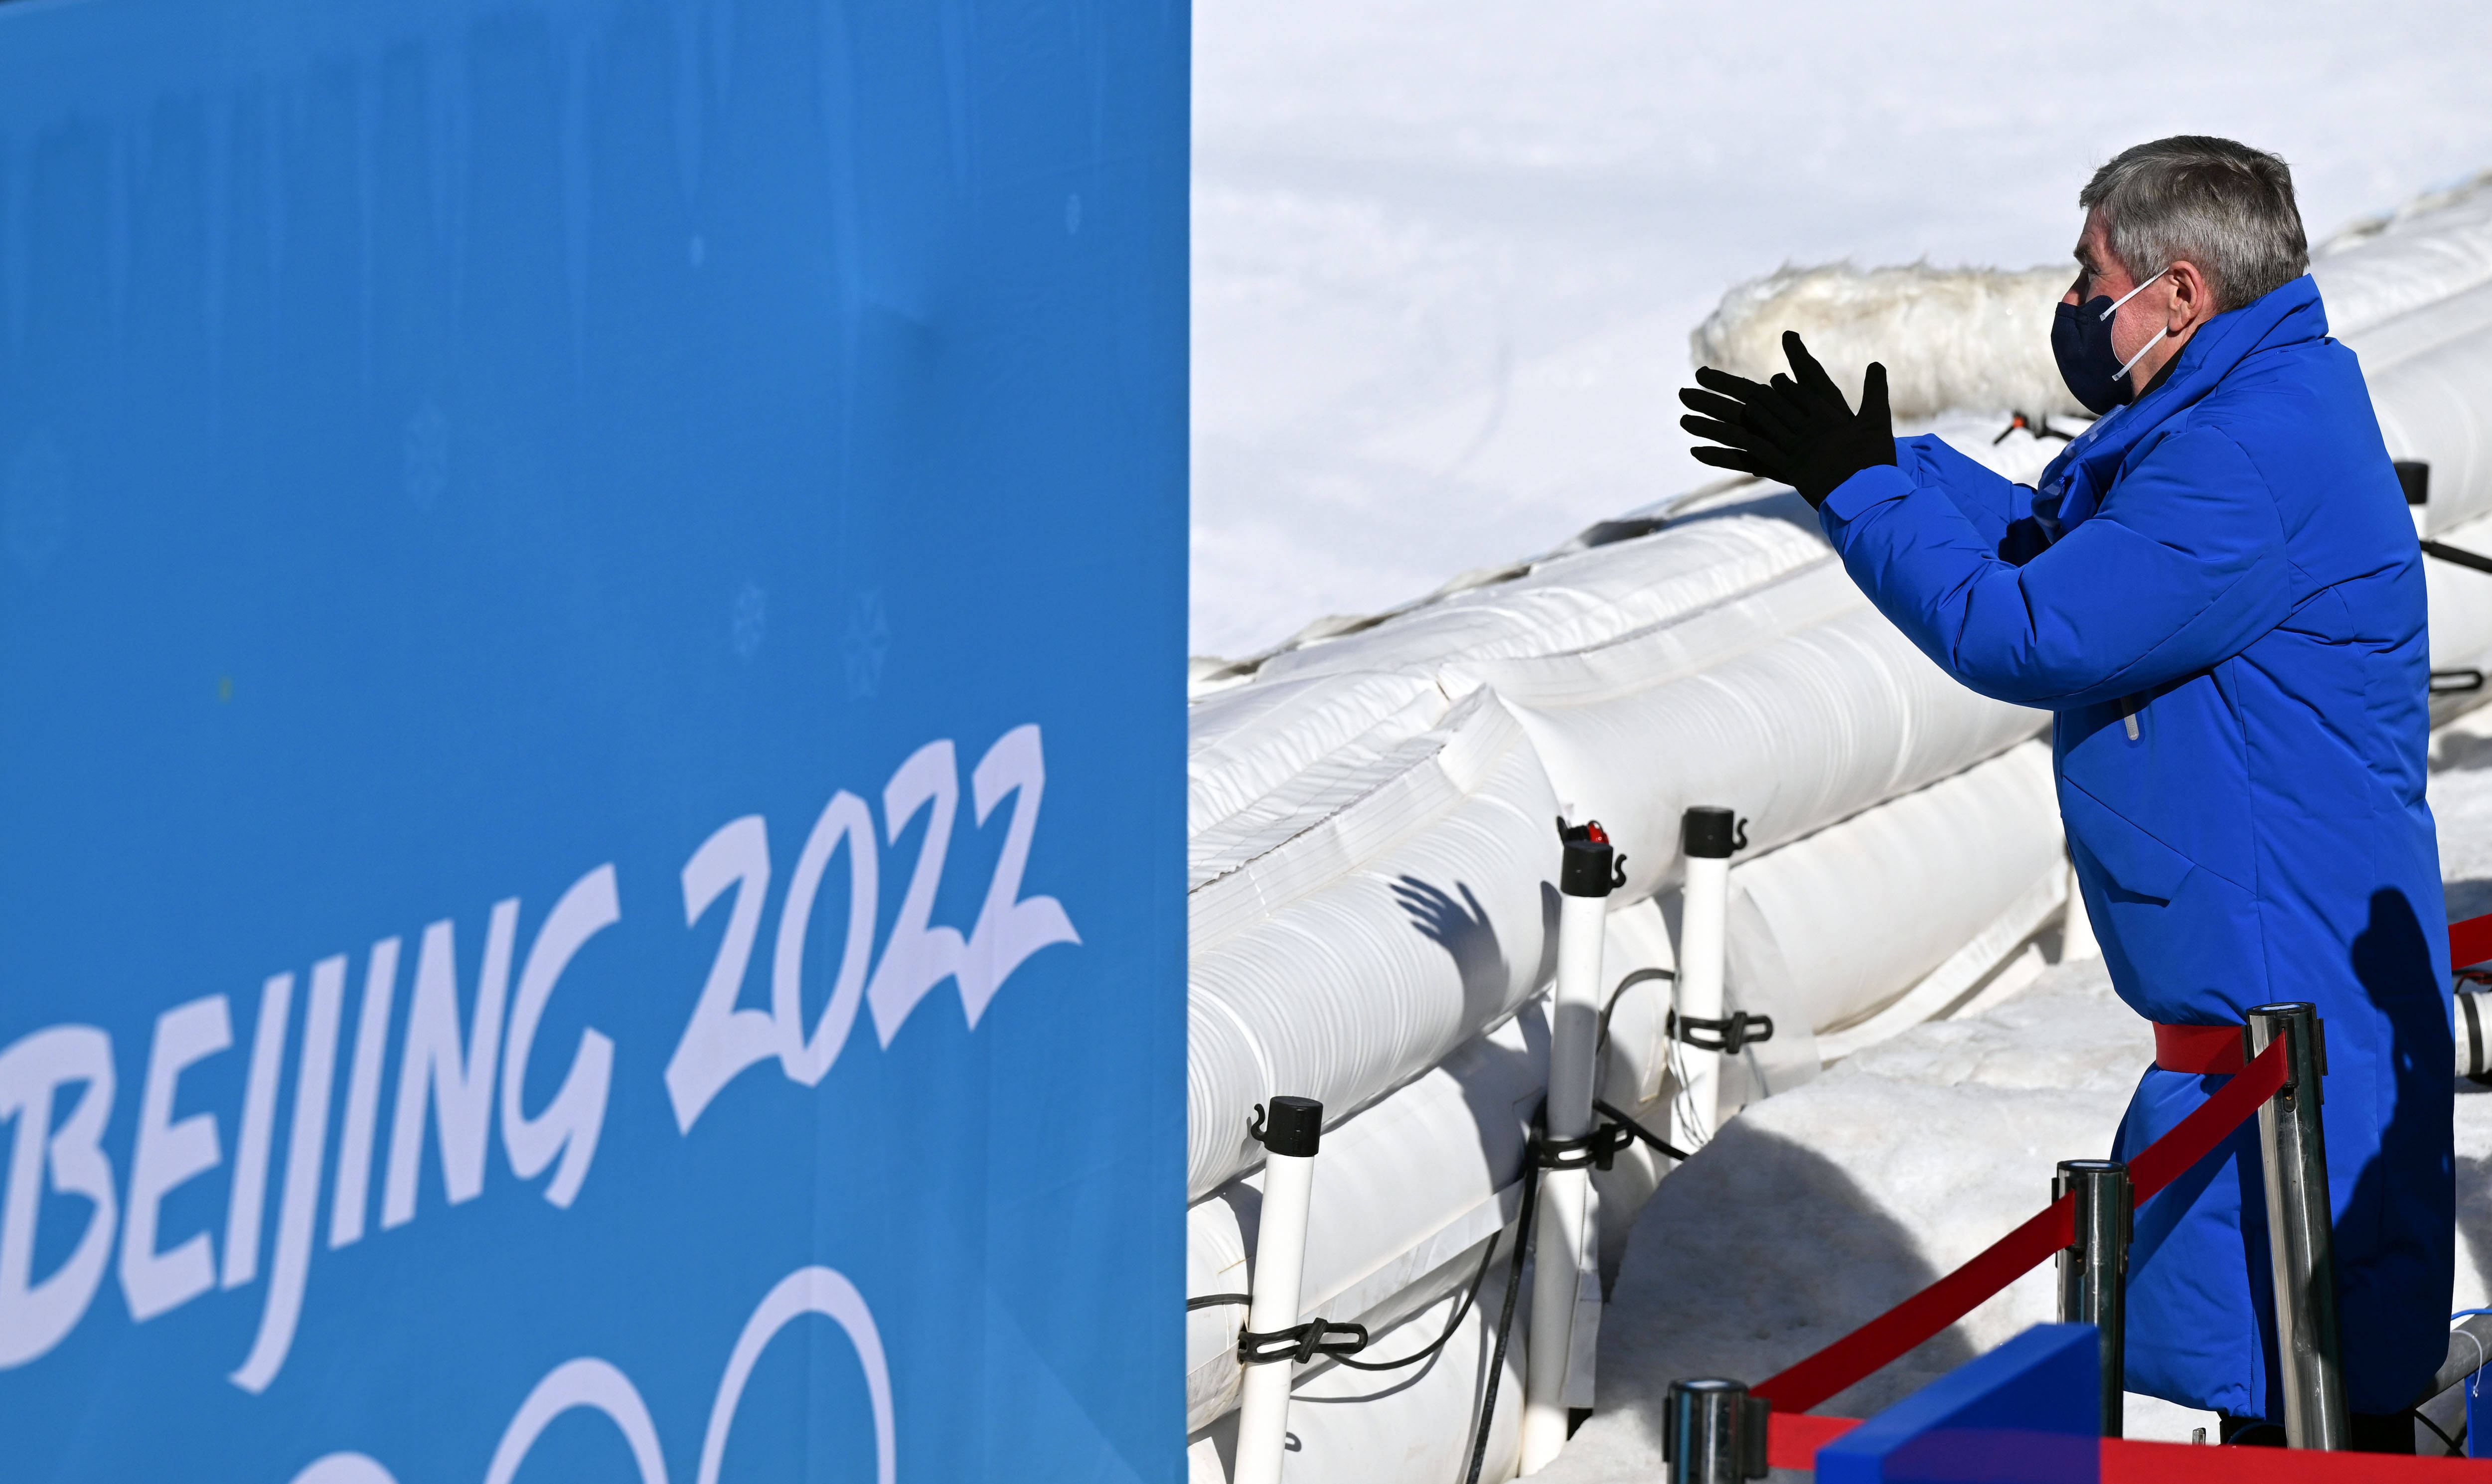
[[1463, 929]]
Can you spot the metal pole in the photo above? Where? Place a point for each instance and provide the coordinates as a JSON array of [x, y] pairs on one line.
[[2093, 1271], [1291, 1132], [1707, 839], [1712, 1431], [1584, 883], [2300, 1235]]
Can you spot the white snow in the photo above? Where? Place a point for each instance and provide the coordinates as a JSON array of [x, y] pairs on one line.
[[1813, 1211], [1447, 254]]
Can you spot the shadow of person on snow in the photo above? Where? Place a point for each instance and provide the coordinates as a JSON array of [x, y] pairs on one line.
[[1698, 1295]]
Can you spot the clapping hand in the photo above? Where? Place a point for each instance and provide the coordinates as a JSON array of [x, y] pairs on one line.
[[1797, 429]]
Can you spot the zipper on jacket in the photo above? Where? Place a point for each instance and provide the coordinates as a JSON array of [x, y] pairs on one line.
[[2129, 715]]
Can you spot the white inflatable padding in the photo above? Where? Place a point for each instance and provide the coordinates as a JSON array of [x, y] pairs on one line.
[[1859, 912], [1795, 705], [2461, 601], [1404, 1427], [1963, 985], [1574, 600], [1408, 1189], [1341, 812], [1635, 1048], [1243, 743], [1403, 1193], [2434, 404], [2431, 248], [1354, 988]]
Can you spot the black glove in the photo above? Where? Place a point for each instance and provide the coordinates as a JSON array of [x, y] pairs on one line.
[[1797, 431]]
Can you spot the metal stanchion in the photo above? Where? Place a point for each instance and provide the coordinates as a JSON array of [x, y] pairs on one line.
[[1585, 879], [2093, 1271], [1707, 836], [1712, 1431], [2300, 1235], [1289, 1134]]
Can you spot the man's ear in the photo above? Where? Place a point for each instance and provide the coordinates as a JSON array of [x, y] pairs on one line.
[[2193, 299]]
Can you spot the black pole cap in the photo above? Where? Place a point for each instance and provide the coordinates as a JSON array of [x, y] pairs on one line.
[[1292, 1127], [1585, 869], [1709, 832], [2414, 476]]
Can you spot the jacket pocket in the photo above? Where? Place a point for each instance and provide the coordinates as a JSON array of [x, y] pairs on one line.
[[2130, 859]]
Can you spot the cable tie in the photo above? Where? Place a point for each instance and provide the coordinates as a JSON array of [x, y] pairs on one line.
[[1300, 1343], [1731, 1033]]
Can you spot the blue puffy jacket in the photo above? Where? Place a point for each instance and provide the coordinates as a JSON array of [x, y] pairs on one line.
[[2218, 591]]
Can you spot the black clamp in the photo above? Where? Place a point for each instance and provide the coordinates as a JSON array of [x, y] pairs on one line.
[[1300, 1343], [1597, 1149], [1731, 1034]]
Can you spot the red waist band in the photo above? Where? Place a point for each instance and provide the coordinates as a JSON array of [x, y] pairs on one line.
[[2214, 1050]]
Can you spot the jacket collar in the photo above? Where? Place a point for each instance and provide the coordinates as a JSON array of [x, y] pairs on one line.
[[2284, 316]]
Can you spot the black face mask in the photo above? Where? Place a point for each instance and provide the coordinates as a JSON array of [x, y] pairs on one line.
[[2081, 340]]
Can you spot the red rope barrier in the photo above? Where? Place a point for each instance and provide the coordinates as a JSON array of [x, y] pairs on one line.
[[2470, 941], [1885, 1339], [1792, 1443]]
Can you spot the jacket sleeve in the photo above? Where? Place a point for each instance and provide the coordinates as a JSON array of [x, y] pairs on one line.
[[2181, 567], [1999, 510]]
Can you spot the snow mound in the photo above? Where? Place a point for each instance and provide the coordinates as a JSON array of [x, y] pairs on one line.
[[1950, 338], [1813, 1211]]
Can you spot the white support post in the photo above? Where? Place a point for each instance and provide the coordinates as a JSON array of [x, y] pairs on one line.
[[1584, 881], [1291, 1132], [1707, 836]]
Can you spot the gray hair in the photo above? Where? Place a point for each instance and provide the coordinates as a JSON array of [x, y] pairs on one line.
[[2226, 207]]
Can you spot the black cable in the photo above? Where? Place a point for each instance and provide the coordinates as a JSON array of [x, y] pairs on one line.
[[2456, 1448], [1640, 1131], [2457, 556], [1414, 1357], [1215, 1300], [1639, 976], [1505, 1318]]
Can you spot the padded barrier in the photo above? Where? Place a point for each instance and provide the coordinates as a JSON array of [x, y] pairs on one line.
[[1354, 948], [1950, 859], [2428, 252], [1798, 704], [1406, 1191]]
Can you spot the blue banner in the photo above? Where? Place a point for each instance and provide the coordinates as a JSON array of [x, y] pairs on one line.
[[592, 621]]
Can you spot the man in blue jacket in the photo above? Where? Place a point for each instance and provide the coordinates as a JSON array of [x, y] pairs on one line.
[[2217, 590]]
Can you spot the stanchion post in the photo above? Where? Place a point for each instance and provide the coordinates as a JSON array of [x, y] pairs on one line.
[[1707, 835], [2093, 1271], [1292, 1129], [1712, 1431], [1584, 882], [2299, 1236]]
